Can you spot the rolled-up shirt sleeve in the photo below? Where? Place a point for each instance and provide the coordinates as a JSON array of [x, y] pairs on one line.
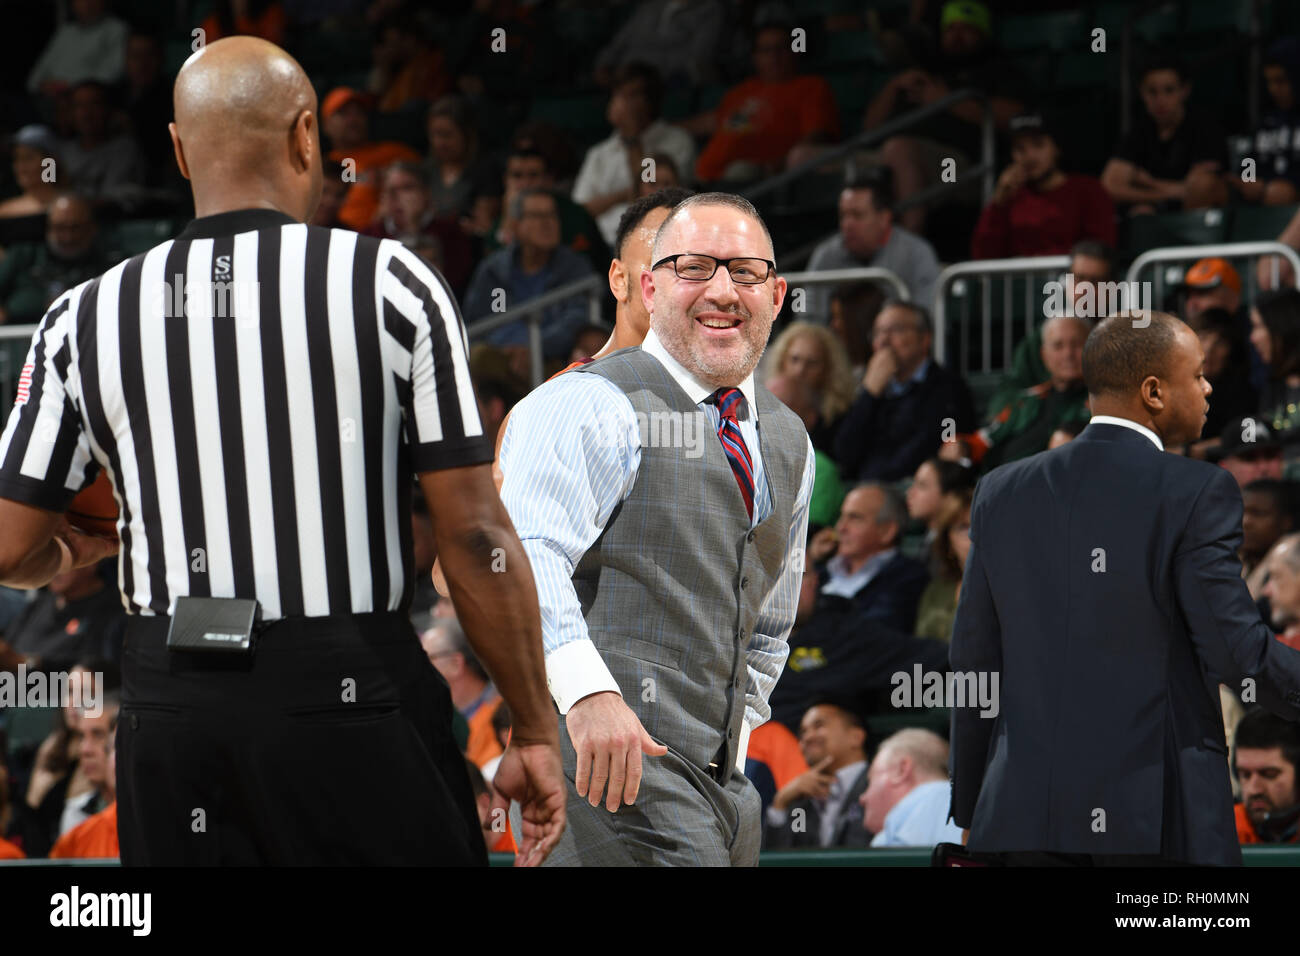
[[569, 456]]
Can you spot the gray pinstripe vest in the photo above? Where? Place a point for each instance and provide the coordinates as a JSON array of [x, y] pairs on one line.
[[672, 587]]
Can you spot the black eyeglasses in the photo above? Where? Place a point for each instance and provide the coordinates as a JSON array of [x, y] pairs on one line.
[[697, 267]]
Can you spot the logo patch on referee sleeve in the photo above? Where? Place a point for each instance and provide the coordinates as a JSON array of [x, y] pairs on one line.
[[24, 385]]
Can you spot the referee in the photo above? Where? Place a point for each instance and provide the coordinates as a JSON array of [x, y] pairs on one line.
[[261, 393]]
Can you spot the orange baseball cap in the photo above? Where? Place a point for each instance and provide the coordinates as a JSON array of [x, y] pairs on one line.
[[341, 97], [1209, 274]]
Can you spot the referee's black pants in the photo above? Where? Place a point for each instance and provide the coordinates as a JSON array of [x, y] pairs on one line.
[[331, 744]]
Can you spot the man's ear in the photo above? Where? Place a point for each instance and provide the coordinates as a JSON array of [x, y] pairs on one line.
[[178, 150], [648, 289], [618, 281], [1152, 394], [303, 143]]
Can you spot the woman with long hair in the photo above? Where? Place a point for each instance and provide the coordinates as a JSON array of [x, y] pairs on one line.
[[938, 605], [1275, 333], [813, 354]]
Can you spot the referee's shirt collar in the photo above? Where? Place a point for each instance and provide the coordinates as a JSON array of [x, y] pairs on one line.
[[692, 386], [234, 222]]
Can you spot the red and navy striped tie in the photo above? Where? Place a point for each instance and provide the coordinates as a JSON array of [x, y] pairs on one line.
[[733, 443]]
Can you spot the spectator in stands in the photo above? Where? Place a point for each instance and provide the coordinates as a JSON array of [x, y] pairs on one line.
[[1226, 368], [56, 780], [95, 838], [1211, 284], [906, 401], [938, 605], [966, 58], [533, 264], [1275, 334], [92, 45], [459, 174], [423, 553], [1065, 433], [1282, 588], [258, 18], [147, 102], [472, 692], [333, 193], [406, 214], [858, 632], [907, 797], [25, 213], [105, 167], [828, 492], [1037, 209], [32, 276], [345, 118], [934, 481], [1248, 450], [667, 175], [8, 851], [527, 167], [1266, 265], [614, 169], [1092, 265], [870, 236], [1268, 513], [853, 310], [679, 36], [820, 808], [812, 354], [97, 723], [409, 67], [1172, 157], [77, 615], [1025, 425], [1275, 144], [1265, 756], [587, 343], [496, 395], [757, 124]]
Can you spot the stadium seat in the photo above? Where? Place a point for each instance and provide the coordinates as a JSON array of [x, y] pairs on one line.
[[405, 126], [1259, 223], [1175, 229], [581, 113], [1218, 18], [133, 236], [843, 48], [1085, 71], [1047, 31]]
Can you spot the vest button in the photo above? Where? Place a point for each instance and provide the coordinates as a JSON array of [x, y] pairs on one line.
[[750, 537], [731, 733], [744, 583], [135, 722]]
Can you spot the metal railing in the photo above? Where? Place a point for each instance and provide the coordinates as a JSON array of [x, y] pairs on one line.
[[985, 168], [986, 270], [1222, 250], [593, 288], [855, 274]]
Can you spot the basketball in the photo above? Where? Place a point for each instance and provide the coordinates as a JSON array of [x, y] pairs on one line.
[[94, 509]]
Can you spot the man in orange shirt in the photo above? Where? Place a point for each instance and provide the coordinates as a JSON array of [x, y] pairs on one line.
[[760, 121], [345, 116], [96, 838], [1266, 751]]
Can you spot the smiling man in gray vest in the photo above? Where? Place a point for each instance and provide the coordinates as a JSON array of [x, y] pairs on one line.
[[662, 498]]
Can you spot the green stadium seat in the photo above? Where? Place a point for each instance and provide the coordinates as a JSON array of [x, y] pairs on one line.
[[26, 727], [1036, 68], [1046, 31], [133, 236], [1259, 223], [330, 50], [710, 96], [581, 113], [846, 48], [1085, 71], [1176, 229], [1159, 26], [406, 125], [1217, 18], [853, 91], [679, 103]]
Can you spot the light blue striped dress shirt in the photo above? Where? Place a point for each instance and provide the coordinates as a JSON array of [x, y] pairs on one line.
[[569, 456]]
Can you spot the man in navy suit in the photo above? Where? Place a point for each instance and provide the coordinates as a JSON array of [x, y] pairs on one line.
[[1103, 586]]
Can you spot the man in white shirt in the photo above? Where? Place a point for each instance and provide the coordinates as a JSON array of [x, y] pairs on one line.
[[614, 168], [820, 808]]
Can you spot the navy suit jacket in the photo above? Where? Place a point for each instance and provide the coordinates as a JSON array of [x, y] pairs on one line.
[[1103, 586]]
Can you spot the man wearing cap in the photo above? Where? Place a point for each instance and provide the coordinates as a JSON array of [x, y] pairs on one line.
[[1248, 450], [965, 58], [1038, 210], [346, 118], [1211, 284]]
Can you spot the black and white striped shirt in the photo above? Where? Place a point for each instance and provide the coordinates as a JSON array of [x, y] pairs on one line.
[[261, 393]]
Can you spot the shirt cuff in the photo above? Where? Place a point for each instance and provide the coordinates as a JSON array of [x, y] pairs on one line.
[[575, 670], [742, 749]]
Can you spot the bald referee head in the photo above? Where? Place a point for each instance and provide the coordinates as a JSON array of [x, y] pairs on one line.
[[1149, 368], [246, 134]]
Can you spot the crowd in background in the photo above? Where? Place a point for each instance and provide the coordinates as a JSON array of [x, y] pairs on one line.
[[509, 207]]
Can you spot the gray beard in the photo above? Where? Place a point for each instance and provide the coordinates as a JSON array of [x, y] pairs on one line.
[[682, 347]]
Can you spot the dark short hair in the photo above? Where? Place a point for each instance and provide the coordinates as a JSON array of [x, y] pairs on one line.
[[528, 151], [1163, 60], [953, 475], [879, 181], [1261, 730], [1074, 427], [922, 315], [1282, 493], [1117, 356], [1095, 249], [1279, 310], [517, 203], [847, 708], [668, 198], [456, 108], [649, 77]]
